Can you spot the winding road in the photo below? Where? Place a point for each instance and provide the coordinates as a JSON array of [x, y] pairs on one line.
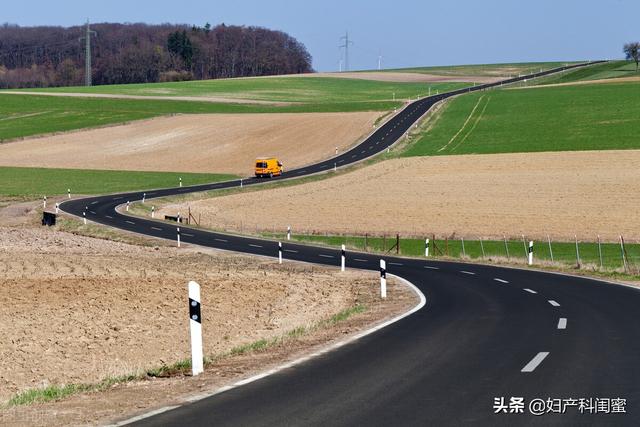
[[487, 337]]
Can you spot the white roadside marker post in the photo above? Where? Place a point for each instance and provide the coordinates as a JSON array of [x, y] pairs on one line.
[[342, 258], [289, 233], [426, 248], [195, 328], [530, 252], [68, 193], [178, 232], [44, 202], [153, 211], [279, 252], [383, 279]]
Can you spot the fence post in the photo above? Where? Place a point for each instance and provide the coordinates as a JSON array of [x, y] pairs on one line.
[[383, 279], [550, 250], [342, 258], [600, 252], [195, 328], [530, 252]]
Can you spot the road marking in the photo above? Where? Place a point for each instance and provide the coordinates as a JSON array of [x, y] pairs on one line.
[[562, 323], [531, 366], [468, 272], [531, 291], [221, 240], [255, 246], [291, 250], [108, 216], [431, 267], [130, 222], [156, 228], [553, 303], [395, 263], [500, 280]]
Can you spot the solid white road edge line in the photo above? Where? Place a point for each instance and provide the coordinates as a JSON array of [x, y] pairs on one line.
[[531, 366], [332, 347], [562, 323]]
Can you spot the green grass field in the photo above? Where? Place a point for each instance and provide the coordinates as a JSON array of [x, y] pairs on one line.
[[607, 70], [308, 90], [563, 252], [22, 116], [586, 117], [38, 182], [507, 69]]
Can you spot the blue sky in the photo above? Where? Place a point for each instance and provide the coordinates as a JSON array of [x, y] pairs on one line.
[[406, 33]]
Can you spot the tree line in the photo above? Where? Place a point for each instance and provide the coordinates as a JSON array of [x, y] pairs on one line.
[[139, 53]]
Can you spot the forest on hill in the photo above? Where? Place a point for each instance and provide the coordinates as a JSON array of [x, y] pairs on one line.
[[140, 53]]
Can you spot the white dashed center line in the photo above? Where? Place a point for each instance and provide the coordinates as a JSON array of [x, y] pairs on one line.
[[501, 280], [537, 360], [531, 291], [553, 303], [562, 323]]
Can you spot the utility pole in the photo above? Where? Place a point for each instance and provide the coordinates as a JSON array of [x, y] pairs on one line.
[[87, 53], [346, 44]]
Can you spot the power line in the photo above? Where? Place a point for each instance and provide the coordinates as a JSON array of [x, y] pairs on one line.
[[87, 49], [345, 46]]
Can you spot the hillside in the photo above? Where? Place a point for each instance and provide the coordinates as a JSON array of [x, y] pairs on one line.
[[141, 53]]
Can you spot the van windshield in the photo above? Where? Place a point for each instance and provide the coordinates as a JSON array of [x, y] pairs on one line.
[[261, 164]]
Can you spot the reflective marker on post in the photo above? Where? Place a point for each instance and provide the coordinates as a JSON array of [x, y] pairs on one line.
[[279, 252], [178, 231], [530, 252], [426, 247], [383, 279], [195, 327], [343, 258]]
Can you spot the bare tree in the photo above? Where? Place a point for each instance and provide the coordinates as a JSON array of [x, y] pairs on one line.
[[632, 51]]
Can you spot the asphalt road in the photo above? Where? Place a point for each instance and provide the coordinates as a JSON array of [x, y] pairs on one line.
[[485, 333]]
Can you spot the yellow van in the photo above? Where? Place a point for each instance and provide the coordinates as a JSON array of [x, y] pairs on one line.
[[268, 166]]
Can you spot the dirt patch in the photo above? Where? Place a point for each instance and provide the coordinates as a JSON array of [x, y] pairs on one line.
[[404, 77], [221, 143], [562, 194], [77, 310], [217, 99]]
